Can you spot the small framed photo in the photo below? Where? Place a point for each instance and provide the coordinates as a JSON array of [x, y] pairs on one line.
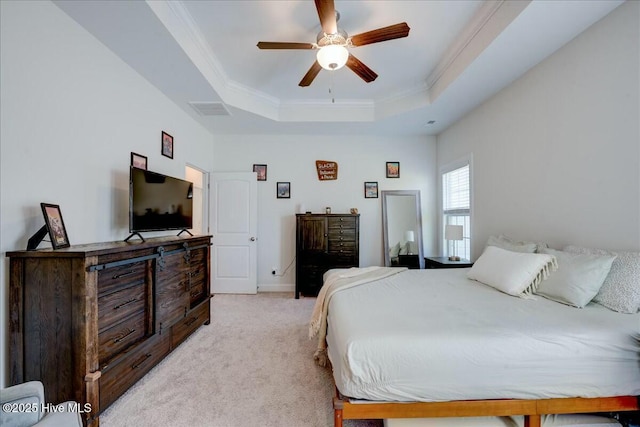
[[138, 161], [370, 190], [55, 225], [167, 145], [393, 169], [283, 190], [262, 172]]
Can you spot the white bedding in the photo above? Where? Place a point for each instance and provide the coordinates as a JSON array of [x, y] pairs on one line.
[[434, 335]]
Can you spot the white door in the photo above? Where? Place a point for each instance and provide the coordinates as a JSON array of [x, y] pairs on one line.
[[234, 218]]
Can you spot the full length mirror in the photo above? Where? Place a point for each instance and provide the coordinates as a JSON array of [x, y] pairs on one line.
[[402, 228]]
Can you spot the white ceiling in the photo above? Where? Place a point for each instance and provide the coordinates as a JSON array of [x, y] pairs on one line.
[[458, 53]]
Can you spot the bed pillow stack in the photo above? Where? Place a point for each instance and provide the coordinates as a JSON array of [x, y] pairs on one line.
[[620, 290], [578, 279]]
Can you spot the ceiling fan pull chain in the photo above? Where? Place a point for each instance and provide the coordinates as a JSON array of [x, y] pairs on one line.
[[333, 99]]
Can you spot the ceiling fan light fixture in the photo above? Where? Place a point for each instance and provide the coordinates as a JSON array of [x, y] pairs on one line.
[[332, 57]]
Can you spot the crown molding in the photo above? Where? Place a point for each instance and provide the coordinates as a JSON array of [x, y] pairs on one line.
[[487, 24]]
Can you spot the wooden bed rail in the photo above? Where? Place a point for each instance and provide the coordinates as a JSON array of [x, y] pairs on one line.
[[531, 409]]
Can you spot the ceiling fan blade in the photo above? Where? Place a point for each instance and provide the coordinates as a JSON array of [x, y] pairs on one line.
[[381, 34], [284, 45], [358, 67], [327, 14], [311, 74]]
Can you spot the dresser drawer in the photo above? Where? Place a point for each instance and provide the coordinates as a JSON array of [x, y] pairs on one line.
[[342, 222], [342, 234], [114, 278], [197, 292], [117, 338], [123, 373], [195, 318], [342, 247], [114, 307], [198, 278]]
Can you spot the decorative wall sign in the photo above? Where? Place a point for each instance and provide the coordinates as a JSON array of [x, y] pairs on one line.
[[327, 170]]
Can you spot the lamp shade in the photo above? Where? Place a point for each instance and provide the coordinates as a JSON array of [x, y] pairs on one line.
[[453, 232], [332, 56], [409, 236]]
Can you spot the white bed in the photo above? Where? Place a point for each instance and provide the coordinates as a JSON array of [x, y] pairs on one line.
[[435, 335]]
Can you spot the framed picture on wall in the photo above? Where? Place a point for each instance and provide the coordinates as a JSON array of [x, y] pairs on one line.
[[138, 161], [393, 169], [370, 190], [283, 190], [55, 225], [262, 172], [167, 145]]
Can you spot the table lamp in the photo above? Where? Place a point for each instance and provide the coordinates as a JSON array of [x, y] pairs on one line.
[[409, 237], [453, 232]]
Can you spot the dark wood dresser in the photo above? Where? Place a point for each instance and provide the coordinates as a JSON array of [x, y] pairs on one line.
[[324, 241], [91, 320]]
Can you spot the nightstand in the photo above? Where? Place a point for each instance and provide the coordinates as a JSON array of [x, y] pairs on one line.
[[410, 261], [443, 262]]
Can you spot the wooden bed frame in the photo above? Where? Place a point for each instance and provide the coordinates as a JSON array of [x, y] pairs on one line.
[[531, 409]]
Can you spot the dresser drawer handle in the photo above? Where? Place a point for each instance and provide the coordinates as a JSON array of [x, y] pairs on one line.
[[141, 361], [128, 273], [190, 321], [121, 338], [125, 303]]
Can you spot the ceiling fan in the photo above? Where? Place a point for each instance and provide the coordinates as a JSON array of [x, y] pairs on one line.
[[332, 43]]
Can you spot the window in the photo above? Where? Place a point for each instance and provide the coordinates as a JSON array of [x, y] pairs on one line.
[[456, 208]]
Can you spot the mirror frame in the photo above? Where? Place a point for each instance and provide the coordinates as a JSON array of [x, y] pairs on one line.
[[385, 231]]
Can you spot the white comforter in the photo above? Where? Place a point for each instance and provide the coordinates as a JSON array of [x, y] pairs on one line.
[[434, 335]]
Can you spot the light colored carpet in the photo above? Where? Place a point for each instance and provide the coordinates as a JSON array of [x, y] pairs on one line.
[[251, 367]]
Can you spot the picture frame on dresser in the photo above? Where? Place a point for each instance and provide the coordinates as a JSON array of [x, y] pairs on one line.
[[55, 225]]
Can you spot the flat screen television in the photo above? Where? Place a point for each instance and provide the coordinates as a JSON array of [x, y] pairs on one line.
[[159, 202]]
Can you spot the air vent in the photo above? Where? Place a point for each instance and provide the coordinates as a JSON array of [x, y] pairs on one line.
[[210, 108]]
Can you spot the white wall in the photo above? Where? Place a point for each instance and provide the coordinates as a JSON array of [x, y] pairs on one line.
[[292, 158], [71, 113], [556, 155]]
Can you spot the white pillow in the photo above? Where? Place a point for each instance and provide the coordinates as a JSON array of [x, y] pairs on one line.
[[578, 279], [395, 250], [509, 244], [404, 249], [621, 288], [514, 273]]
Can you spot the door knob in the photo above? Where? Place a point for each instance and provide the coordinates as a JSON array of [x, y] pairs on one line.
[[253, 239]]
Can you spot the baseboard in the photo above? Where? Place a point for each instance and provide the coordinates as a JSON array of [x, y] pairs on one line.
[[277, 288]]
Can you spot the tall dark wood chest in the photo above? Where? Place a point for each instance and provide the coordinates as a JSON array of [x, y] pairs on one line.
[[324, 241], [89, 321]]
